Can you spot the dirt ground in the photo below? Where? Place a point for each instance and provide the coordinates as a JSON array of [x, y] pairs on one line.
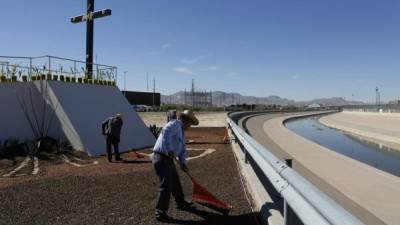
[[123, 193], [206, 119]]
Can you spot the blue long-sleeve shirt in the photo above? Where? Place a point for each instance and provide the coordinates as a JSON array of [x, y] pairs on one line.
[[172, 139]]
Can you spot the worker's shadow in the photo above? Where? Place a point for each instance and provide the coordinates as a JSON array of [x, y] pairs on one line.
[[216, 218]]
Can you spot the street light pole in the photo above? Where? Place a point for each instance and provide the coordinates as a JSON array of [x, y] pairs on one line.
[[125, 82]]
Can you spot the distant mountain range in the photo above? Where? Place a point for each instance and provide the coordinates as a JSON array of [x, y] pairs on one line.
[[220, 98], [335, 101]]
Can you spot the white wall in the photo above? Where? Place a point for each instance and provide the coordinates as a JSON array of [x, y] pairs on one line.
[[83, 107], [79, 111], [17, 98], [13, 123]]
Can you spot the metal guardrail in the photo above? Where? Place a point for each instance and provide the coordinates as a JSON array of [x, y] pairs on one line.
[[311, 206]]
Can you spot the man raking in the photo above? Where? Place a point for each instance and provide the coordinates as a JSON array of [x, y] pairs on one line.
[[171, 143]]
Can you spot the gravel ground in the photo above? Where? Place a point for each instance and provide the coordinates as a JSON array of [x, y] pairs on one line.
[[123, 193]]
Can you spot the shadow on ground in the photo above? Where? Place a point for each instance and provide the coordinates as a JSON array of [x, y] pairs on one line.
[[214, 218]]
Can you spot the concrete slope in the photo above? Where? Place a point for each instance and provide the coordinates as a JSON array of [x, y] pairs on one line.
[[81, 108], [13, 123], [380, 128], [24, 112], [374, 190]]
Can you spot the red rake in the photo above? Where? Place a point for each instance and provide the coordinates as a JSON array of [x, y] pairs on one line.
[[139, 155], [204, 197]]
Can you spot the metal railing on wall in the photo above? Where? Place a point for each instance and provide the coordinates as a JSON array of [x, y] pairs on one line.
[[16, 68], [311, 206], [383, 108]]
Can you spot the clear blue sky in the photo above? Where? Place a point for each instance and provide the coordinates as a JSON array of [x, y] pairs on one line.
[[298, 49]]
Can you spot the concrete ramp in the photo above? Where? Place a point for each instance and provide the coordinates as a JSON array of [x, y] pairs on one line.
[[24, 112], [13, 123], [79, 110]]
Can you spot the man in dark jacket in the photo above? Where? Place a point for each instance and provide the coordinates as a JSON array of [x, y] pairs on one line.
[[112, 130]]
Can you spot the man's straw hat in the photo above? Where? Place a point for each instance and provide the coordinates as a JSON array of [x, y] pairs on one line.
[[190, 115], [119, 116]]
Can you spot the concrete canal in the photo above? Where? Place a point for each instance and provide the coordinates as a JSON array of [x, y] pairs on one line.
[[375, 155]]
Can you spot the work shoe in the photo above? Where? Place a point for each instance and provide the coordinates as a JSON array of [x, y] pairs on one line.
[[185, 205], [118, 159], [163, 217]]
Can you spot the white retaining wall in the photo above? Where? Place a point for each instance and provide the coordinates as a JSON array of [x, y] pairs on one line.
[[75, 113], [13, 122]]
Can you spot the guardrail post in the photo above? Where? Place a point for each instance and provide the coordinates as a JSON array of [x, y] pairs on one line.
[[289, 216], [289, 162], [246, 156]]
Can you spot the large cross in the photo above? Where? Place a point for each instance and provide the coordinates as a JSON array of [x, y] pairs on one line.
[[89, 18]]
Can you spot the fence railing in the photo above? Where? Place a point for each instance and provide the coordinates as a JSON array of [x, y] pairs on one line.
[[15, 68], [311, 205], [383, 108]]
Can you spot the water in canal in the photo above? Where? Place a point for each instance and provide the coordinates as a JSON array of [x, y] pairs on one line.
[[378, 156]]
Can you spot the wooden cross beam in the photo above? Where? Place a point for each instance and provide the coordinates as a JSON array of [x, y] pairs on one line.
[[89, 17], [95, 15]]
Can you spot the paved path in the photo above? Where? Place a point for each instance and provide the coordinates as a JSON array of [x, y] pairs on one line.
[[381, 128], [370, 194]]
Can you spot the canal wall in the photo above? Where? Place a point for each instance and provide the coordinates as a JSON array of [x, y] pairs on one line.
[[382, 129]]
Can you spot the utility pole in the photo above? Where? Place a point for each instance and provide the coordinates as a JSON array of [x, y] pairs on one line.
[[154, 91], [193, 94], [377, 96], [125, 82], [147, 79], [211, 98], [184, 98]]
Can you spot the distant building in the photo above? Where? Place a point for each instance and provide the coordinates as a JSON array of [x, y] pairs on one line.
[[314, 106], [394, 102], [143, 98]]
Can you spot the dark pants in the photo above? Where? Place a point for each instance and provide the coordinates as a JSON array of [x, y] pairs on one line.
[[169, 182], [114, 142]]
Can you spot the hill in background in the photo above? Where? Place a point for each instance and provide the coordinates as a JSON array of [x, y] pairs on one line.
[[220, 98]]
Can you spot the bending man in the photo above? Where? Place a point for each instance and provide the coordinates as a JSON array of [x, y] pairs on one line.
[[112, 130], [171, 143]]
